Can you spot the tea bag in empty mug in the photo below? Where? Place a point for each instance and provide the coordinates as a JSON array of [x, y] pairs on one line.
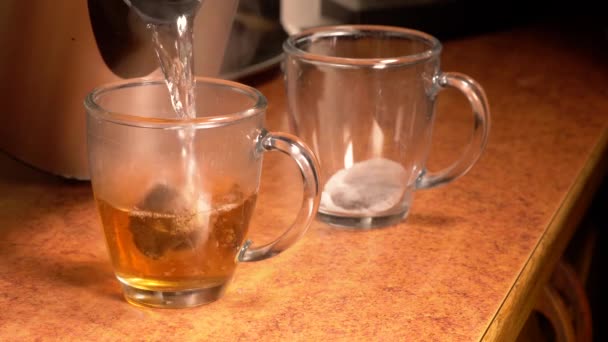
[[369, 187]]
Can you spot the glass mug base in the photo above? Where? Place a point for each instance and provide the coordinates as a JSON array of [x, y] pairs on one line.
[[362, 223], [172, 299]]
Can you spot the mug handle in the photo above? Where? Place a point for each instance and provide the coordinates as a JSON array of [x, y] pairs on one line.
[[481, 127], [309, 167]]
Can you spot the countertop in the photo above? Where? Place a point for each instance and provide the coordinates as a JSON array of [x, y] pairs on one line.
[[465, 266]]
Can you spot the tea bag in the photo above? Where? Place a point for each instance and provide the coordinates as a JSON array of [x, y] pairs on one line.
[[369, 187], [164, 220]]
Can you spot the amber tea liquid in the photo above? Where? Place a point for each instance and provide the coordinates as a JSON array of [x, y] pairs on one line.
[[158, 251]]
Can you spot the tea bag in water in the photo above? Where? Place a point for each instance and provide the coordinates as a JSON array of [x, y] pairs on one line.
[[164, 220], [368, 187]]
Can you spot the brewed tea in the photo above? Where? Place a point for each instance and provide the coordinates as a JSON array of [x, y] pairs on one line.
[[170, 251]]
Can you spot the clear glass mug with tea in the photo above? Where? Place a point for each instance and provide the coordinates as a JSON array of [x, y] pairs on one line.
[[175, 195]]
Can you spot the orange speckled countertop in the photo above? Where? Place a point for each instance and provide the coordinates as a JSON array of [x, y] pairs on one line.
[[464, 267]]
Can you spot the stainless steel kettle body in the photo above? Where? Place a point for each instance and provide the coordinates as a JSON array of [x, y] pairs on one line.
[[52, 53]]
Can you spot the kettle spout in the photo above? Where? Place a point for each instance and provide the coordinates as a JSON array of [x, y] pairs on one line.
[[161, 11]]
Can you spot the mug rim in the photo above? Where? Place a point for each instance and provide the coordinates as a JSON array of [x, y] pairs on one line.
[[96, 110], [290, 45]]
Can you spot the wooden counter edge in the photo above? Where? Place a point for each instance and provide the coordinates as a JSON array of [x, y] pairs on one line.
[[519, 302]]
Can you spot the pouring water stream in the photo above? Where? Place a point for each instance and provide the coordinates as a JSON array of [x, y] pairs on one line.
[[171, 25]]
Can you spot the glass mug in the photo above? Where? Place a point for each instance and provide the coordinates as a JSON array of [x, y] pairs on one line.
[[362, 97], [175, 196]]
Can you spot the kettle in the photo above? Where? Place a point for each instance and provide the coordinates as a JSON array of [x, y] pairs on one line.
[[52, 53]]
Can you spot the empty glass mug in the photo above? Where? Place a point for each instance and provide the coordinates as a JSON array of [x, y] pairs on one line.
[[362, 97], [175, 196]]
